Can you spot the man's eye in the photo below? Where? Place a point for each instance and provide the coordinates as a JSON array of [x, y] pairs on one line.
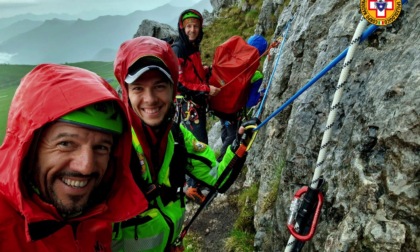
[[137, 89], [161, 86], [65, 144], [104, 149]]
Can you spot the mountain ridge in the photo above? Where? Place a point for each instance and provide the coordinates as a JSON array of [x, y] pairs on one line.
[[81, 40]]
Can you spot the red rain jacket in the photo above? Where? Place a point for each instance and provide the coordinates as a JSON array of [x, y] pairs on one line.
[[26, 222]]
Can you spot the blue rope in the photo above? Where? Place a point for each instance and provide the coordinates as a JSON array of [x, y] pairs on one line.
[[372, 28], [274, 70], [334, 62]]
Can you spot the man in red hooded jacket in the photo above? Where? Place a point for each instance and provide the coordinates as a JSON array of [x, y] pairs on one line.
[[193, 87], [163, 152], [64, 176]]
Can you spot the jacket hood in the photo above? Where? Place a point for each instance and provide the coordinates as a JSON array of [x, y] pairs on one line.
[[132, 50], [45, 94], [129, 53], [183, 36]]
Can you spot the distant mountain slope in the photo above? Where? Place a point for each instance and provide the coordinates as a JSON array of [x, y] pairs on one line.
[[62, 41], [40, 43], [17, 28], [5, 22]]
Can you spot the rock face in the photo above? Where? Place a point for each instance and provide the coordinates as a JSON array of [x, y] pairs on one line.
[[371, 169], [155, 29]]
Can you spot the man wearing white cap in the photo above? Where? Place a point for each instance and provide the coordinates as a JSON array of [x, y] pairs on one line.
[[163, 152]]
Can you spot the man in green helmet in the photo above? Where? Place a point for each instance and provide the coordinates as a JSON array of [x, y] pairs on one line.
[[193, 89], [64, 163]]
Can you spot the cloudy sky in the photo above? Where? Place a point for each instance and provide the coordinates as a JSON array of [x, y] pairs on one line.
[[10, 8]]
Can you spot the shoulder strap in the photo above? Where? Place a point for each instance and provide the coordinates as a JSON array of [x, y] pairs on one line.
[[179, 159]]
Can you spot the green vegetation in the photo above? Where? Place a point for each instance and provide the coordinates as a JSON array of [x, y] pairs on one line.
[[241, 238], [245, 203], [269, 200], [6, 95], [231, 21], [191, 242], [240, 242], [103, 69], [242, 235], [10, 76]]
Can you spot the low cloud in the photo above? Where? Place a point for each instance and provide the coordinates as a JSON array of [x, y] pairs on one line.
[[5, 57]]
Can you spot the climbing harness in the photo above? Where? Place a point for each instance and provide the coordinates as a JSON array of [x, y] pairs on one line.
[[190, 115]]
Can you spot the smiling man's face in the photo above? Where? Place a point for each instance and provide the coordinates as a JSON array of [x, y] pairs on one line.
[[71, 163], [151, 97]]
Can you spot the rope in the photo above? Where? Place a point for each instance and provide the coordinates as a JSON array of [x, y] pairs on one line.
[[331, 117], [336, 101], [365, 35], [259, 111]]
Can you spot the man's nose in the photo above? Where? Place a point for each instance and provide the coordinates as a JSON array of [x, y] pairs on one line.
[[83, 161], [149, 95]]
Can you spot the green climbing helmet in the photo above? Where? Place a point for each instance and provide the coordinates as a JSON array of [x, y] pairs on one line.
[[102, 116], [190, 14]]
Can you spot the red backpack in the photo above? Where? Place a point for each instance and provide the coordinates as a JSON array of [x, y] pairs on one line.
[[234, 64]]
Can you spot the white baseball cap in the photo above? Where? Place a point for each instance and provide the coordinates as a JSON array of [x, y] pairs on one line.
[[145, 64]]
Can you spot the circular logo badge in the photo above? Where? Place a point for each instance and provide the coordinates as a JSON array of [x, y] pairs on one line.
[[380, 12]]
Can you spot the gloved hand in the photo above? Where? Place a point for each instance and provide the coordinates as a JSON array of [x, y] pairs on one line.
[[245, 133]]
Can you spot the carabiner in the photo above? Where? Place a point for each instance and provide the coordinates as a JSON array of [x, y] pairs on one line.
[[254, 135], [291, 224]]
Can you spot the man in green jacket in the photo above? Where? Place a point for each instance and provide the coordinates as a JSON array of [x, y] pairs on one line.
[[163, 152]]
